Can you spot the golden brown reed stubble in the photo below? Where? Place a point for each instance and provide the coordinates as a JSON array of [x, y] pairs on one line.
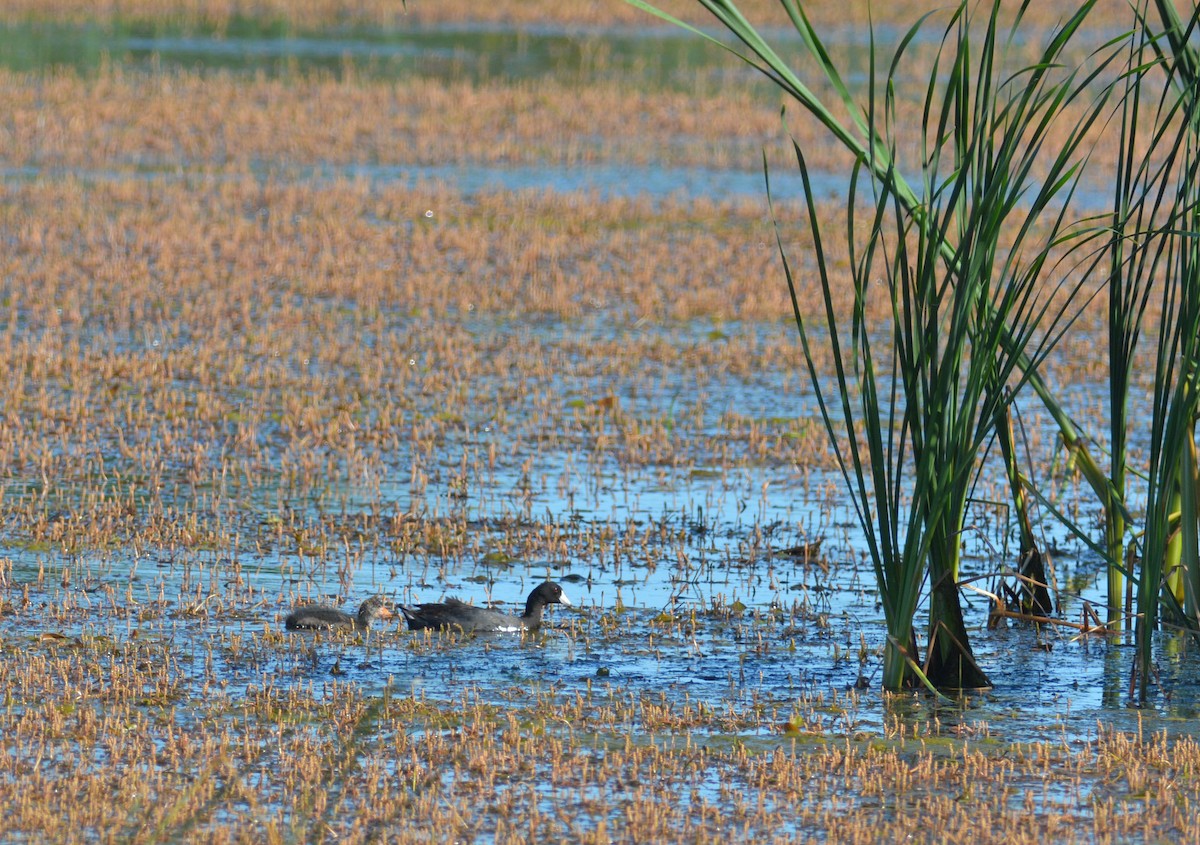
[[135, 740], [176, 345], [281, 277], [220, 121], [210, 338]]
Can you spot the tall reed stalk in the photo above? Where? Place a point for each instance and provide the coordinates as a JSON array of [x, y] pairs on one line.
[[1171, 267], [1154, 258], [970, 310], [1175, 401]]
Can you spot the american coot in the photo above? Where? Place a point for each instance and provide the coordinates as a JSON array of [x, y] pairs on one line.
[[321, 616], [455, 614]]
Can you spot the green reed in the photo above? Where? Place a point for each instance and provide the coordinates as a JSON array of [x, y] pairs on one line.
[[972, 312], [1158, 234], [967, 259]]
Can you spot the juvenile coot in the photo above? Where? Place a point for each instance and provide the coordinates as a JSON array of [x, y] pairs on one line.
[[455, 614], [321, 616]]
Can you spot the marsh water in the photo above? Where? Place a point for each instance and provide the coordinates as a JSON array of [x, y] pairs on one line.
[[702, 586]]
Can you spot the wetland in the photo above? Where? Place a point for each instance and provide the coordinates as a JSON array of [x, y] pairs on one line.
[[303, 306]]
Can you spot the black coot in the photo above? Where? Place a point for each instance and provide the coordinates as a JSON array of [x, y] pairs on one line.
[[321, 616], [455, 614]]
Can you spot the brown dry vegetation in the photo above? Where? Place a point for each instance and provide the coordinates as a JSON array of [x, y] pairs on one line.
[[227, 125], [218, 120], [210, 333], [108, 741]]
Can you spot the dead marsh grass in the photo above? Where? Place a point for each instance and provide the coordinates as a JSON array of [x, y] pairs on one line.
[[219, 120], [138, 741], [175, 338], [215, 121], [177, 345]]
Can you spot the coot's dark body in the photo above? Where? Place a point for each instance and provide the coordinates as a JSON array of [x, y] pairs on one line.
[[453, 614], [318, 616]]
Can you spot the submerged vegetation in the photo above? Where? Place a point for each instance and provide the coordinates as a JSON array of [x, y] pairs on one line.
[[261, 347]]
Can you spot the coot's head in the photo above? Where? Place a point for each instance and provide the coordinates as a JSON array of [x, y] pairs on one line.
[[547, 593], [376, 607]]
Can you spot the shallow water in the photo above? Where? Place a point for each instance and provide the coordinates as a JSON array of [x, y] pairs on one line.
[[705, 609], [601, 181]]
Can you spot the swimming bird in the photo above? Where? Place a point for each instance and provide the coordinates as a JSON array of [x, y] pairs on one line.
[[454, 614], [323, 616]]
